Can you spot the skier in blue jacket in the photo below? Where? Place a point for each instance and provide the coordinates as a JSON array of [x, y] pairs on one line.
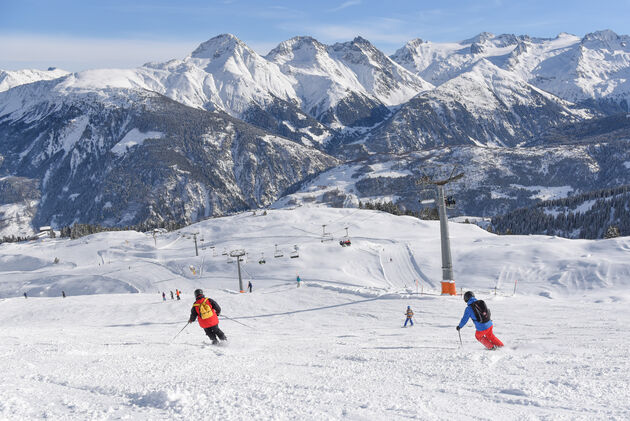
[[484, 330]]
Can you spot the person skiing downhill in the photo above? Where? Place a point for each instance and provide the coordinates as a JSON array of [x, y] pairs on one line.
[[163, 296], [483, 330], [298, 280], [177, 293], [409, 314], [206, 311]]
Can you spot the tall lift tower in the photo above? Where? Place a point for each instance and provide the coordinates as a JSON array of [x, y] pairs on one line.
[[448, 280]]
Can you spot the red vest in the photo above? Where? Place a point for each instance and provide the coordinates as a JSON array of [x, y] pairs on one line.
[[211, 318]]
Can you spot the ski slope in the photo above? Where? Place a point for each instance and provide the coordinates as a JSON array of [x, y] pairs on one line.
[[332, 348]]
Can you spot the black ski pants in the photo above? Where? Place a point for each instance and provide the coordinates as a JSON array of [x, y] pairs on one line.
[[213, 332]]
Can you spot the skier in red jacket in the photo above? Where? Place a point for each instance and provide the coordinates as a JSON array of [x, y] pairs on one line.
[[206, 311]]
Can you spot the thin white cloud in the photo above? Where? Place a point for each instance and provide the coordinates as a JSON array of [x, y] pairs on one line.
[[345, 5], [75, 54]]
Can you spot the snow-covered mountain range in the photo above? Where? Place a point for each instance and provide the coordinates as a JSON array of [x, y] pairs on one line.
[[226, 128]]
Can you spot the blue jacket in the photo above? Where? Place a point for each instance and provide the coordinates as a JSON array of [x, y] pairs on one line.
[[470, 314]]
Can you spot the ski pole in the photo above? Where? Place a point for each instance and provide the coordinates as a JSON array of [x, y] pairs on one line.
[[180, 332], [229, 318], [460, 339]]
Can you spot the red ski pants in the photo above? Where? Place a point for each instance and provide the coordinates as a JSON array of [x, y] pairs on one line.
[[487, 338]]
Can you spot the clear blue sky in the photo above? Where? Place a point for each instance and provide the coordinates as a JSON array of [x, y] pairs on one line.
[[77, 35]]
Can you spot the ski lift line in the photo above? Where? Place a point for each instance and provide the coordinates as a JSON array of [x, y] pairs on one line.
[[315, 238], [247, 272], [371, 215], [335, 220]]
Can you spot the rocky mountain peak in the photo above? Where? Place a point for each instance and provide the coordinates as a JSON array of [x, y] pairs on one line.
[[218, 46], [604, 35], [479, 38], [287, 49]]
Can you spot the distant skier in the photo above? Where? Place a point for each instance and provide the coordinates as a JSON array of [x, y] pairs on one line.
[[172, 296], [480, 315], [409, 314], [206, 311], [249, 286], [63, 294], [25, 296], [163, 296], [298, 281], [177, 293]]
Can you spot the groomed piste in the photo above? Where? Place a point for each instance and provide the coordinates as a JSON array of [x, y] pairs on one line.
[[334, 348]]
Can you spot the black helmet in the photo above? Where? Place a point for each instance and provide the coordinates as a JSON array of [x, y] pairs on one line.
[[468, 295], [198, 292]]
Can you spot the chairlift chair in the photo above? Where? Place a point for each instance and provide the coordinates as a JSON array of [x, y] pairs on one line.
[[326, 236], [294, 254], [345, 241], [262, 259], [225, 253], [277, 253]]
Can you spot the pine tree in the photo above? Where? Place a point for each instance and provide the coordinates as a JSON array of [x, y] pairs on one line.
[[612, 232]]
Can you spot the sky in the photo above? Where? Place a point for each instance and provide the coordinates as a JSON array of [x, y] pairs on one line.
[[77, 35]]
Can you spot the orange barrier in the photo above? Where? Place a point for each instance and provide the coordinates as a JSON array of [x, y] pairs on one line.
[[448, 288]]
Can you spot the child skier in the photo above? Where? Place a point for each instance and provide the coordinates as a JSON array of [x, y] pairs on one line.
[[484, 328], [206, 311], [409, 314]]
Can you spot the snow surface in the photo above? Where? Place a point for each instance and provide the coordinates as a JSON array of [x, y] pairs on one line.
[[16, 219], [331, 349], [546, 192], [133, 138], [13, 78]]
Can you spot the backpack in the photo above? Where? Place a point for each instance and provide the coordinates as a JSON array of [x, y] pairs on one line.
[[482, 312], [205, 310]]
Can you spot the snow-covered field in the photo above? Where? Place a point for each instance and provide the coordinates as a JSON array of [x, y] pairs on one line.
[[331, 349]]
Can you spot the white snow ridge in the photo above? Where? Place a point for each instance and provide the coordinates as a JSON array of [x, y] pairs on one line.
[[332, 349]]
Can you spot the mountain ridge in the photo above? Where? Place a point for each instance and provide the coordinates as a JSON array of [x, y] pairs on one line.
[[323, 105]]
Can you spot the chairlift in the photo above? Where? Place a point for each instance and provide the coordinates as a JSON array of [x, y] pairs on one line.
[[294, 254], [262, 259], [277, 253], [449, 201], [326, 236], [345, 241], [225, 253], [229, 259]]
